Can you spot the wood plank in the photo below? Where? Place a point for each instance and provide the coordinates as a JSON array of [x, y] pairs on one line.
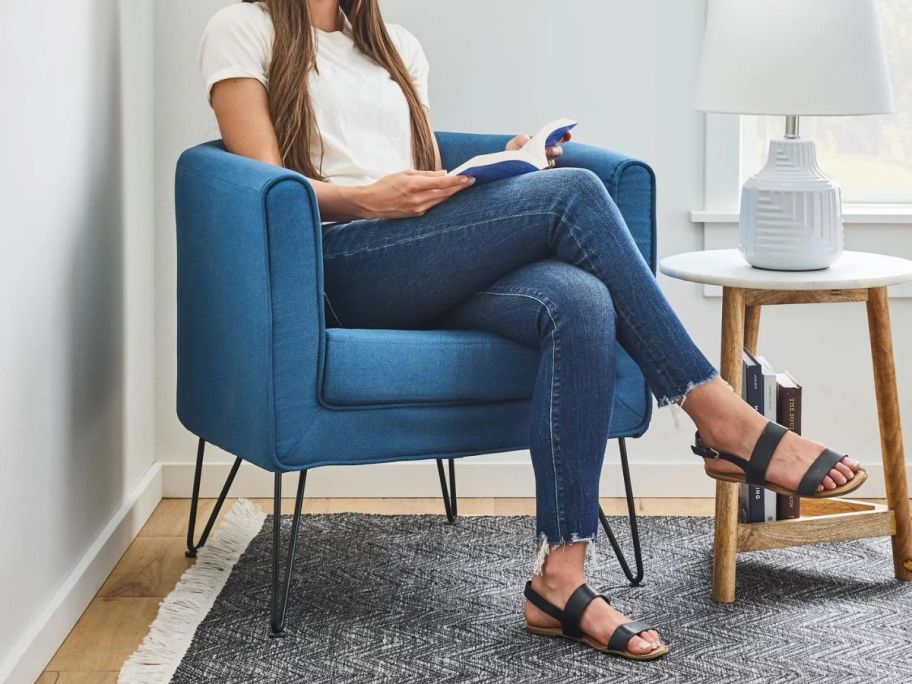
[[471, 506], [677, 506], [773, 297], [88, 678], [106, 635], [611, 506], [814, 530], [171, 516], [377, 506], [411, 506], [615, 506], [150, 567], [47, 678], [514, 506], [810, 507], [308, 506]]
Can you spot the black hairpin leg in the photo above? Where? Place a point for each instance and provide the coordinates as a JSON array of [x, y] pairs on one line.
[[192, 547], [449, 497], [280, 602], [634, 532]]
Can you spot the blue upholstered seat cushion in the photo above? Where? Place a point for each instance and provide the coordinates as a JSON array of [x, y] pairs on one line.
[[421, 366], [382, 367]]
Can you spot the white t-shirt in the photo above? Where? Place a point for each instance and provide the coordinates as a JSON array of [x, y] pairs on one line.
[[361, 113]]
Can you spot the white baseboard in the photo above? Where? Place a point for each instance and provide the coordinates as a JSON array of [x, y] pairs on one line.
[[474, 479], [43, 637]]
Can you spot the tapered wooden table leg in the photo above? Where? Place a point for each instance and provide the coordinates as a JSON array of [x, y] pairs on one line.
[[891, 441], [752, 327], [725, 546]]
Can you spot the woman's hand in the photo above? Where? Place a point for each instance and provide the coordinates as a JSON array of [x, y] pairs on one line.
[[406, 194], [553, 152]]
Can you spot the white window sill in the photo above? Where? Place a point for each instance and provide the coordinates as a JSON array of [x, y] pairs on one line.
[[890, 214]]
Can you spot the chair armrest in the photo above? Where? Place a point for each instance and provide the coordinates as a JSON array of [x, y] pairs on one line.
[[629, 181], [249, 302]]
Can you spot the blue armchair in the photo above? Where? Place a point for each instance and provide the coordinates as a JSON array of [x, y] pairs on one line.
[[261, 376]]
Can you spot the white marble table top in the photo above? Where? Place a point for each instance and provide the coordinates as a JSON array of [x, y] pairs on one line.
[[728, 268]]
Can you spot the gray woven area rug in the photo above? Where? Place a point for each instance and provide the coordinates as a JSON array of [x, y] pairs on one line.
[[413, 599]]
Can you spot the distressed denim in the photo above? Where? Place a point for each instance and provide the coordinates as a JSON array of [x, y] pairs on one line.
[[544, 259]]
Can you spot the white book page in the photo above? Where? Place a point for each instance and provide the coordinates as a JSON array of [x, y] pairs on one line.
[[533, 151]]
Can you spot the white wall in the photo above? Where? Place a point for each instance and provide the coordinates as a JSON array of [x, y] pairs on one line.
[[75, 274], [626, 71]]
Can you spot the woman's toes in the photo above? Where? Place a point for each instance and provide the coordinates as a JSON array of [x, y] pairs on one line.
[[837, 477], [638, 644], [853, 465], [828, 483], [845, 470], [647, 642]]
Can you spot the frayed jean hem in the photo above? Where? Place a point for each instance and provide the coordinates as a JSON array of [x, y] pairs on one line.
[[679, 399], [545, 547]]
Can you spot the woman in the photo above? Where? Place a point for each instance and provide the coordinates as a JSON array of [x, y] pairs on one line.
[[326, 88]]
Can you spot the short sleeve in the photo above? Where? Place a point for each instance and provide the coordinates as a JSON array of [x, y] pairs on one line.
[[415, 60], [237, 43]]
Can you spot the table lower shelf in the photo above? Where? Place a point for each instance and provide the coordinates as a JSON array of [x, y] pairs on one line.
[[822, 521]]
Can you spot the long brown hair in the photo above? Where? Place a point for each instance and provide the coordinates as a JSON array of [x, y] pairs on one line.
[[293, 58]]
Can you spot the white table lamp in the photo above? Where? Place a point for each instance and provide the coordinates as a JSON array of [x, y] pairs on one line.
[[793, 58]]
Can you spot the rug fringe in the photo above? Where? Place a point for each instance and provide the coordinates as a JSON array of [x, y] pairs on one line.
[[181, 612]]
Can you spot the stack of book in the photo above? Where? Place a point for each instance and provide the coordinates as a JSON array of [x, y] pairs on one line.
[[778, 397]]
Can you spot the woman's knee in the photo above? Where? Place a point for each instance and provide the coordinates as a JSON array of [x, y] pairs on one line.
[[582, 180], [577, 301], [568, 183], [579, 197]]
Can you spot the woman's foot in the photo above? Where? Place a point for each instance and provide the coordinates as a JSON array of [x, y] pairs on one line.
[[561, 575], [727, 423]]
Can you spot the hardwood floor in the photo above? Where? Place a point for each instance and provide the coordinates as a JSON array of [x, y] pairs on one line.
[[119, 616]]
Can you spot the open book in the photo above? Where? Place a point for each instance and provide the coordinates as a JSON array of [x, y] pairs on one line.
[[532, 156]]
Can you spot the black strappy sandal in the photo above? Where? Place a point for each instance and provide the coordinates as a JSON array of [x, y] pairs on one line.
[[755, 469], [571, 616]]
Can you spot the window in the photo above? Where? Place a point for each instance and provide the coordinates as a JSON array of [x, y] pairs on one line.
[[871, 156]]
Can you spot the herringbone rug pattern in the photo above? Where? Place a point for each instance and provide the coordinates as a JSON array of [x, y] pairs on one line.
[[412, 599]]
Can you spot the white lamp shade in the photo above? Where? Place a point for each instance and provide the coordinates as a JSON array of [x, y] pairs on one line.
[[802, 57]]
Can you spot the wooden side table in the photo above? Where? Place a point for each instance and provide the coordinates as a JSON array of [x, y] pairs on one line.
[[855, 277]]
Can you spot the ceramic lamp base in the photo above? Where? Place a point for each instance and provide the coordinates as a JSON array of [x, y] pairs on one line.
[[791, 212]]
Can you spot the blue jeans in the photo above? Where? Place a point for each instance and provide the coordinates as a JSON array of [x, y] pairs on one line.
[[544, 259]]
